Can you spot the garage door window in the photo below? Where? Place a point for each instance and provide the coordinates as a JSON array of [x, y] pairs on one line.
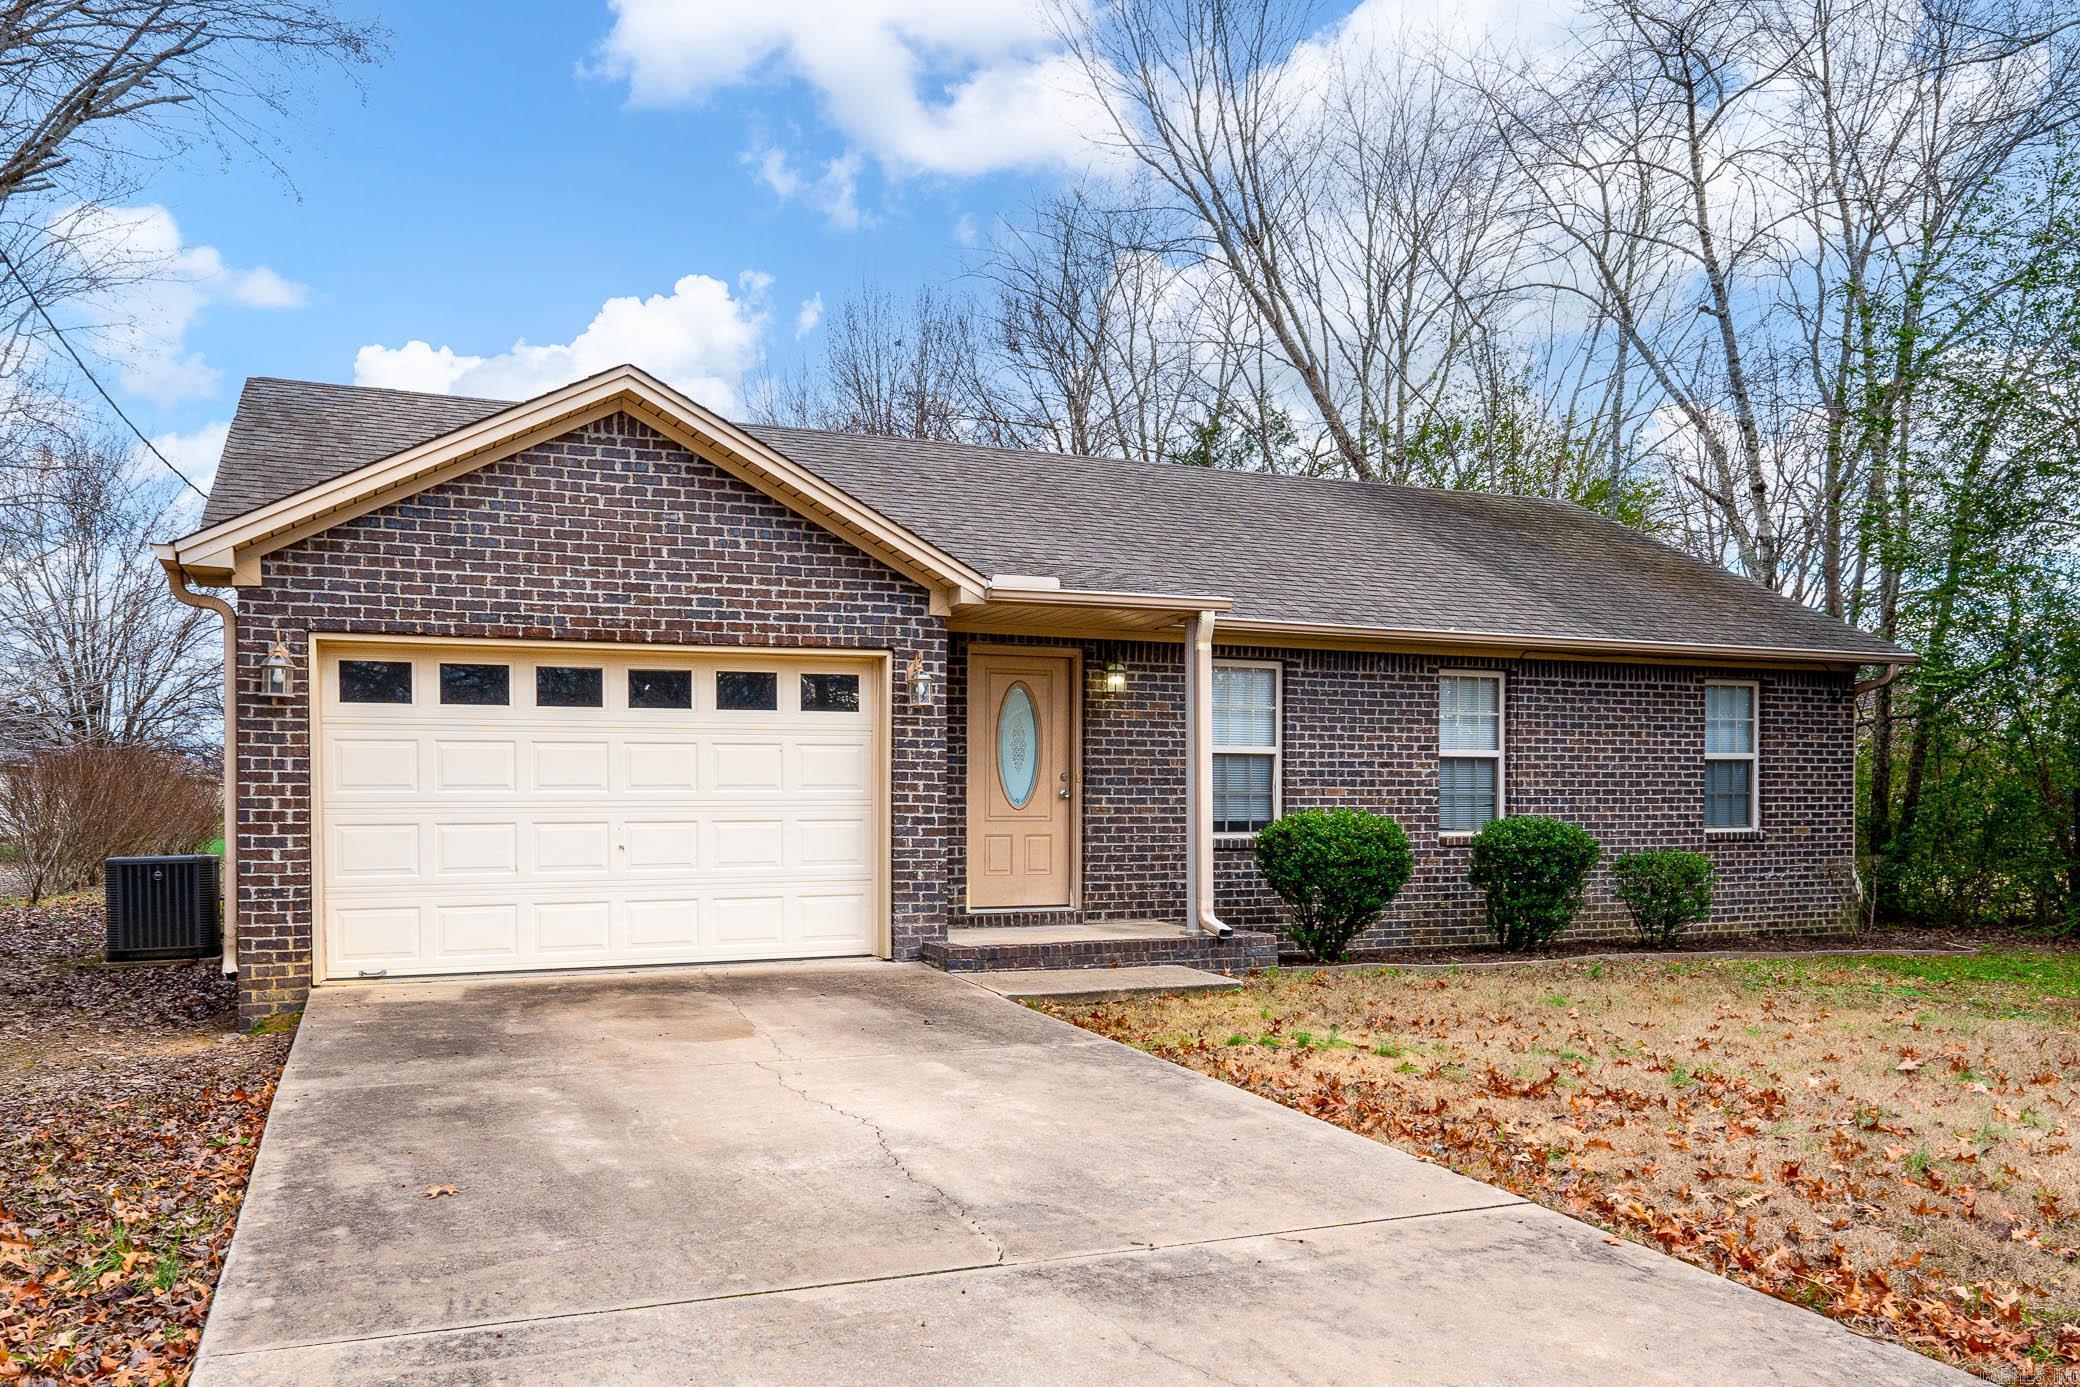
[[567, 686], [489, 685], [660, 688], [830, 693], [375, 681], [746, 691]]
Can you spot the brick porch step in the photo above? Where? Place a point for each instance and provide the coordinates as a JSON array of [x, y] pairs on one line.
[[1099, 944]]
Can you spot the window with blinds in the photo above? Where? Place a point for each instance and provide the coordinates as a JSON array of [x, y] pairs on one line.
[[1469, 751], [1730, 757], [1245, 746]]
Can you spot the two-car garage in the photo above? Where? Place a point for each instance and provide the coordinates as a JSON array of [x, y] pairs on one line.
[[484, 808]]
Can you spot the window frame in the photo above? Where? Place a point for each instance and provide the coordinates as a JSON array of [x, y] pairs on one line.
[[1753, 755], [1276, 751], [1500, 755]]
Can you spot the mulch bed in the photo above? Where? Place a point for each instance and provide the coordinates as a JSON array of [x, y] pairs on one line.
[[130, 1112], [1897, 938]]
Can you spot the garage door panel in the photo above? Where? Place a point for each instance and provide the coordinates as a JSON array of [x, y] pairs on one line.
[[572, 847], [477, 932], [363, 852], [375, 933], [373, 765], [662, 845], [749, 844], [827, 843], [572, 766], [824, 919], [461, 838], [831, 768], [476, 849], [574, 927], [475, 768], [667, 766], [668, 925], [749, 766]]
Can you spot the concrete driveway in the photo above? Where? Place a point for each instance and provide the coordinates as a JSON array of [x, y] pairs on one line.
[[876, 1173]]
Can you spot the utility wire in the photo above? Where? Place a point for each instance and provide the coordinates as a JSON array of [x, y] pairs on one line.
[[92, 380]]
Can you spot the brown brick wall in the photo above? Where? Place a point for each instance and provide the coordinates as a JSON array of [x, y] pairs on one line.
[[1133, 784], [1616, 748], [612, 533], [608, 533]]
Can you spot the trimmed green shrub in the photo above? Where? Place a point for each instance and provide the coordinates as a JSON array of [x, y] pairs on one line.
[[1337, 870], [1533, 871], [1666, 891]]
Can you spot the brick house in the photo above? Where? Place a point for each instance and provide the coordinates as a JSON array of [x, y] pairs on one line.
[[600, 679]]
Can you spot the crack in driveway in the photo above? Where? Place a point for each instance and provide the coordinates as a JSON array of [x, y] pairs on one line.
[[939, 1192]]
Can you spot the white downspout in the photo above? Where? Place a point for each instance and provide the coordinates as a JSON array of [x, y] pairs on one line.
[[178, 581], [1198, 775]]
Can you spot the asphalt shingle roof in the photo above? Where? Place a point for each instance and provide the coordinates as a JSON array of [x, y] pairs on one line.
[[1283, 548]]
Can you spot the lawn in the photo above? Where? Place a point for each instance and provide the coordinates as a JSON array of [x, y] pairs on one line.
[[130, 1111], [1888, 1141]]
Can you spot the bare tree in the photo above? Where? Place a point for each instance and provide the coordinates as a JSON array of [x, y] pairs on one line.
[[93, 649], [1352, 196], [889, 368], [94, 94], [1657, 196], [1091, 335]]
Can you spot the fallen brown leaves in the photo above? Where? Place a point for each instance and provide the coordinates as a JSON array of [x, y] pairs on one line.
[[130, 1113], [1891, 1168]]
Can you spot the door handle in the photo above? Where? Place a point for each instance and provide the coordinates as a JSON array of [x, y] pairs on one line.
[[1062, 793]]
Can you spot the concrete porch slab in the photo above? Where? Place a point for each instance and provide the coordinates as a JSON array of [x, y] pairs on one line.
[[1099, 984], [1079, 932]]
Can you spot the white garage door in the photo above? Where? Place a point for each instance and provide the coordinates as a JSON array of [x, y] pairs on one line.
[[484, 808]]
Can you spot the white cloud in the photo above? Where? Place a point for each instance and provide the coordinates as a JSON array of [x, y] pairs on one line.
[[923, 86], [964, 233], [195, 455], [158, 287], [833, 192], [808, 316], [702, 337]]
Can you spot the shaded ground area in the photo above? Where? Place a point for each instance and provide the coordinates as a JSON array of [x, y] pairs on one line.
[[1886, 1140], [130, 1109]]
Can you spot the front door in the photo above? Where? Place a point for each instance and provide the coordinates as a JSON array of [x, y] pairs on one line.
[[1021, 780]]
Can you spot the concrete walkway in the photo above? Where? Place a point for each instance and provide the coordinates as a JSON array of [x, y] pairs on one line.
[[875, 1173]]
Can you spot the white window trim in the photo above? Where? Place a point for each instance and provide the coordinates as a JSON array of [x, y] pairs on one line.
[[1276, 751], [1753, 756], [1500, 755]]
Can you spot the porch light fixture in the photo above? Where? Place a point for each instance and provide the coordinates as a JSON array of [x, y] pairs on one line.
[[274, 671], [923, 687], [1115, 680]]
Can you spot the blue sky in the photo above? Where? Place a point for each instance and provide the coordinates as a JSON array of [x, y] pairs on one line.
[[508, 170]]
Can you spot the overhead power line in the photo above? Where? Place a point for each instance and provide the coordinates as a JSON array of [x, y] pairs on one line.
[[92, 379]]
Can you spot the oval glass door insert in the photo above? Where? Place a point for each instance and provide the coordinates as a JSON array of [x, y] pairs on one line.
[[1018, 746]]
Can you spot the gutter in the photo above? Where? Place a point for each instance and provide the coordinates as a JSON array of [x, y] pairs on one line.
[[1892, 672], [1532, 644], [177, 583]]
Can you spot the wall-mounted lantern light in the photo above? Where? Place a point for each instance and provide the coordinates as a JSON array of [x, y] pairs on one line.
[[924, 689], [275, 670], [1115, 680]]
